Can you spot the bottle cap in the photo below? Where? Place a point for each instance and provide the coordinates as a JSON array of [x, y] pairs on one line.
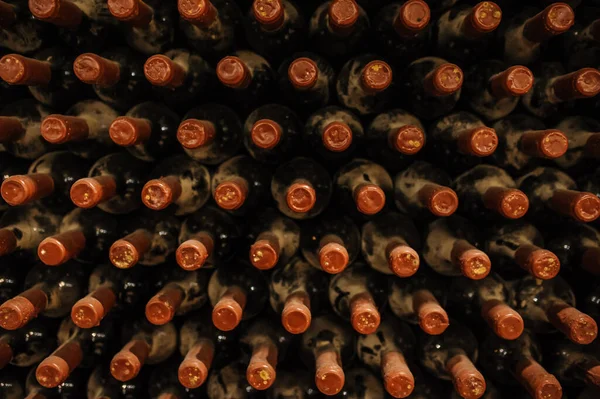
[[11, 129], [364, 315], [60, 129], [126, 131], [8, 241], [135, 12], [266, 134], [58, 12], [233, 72], [343, 14], [158, 194], [162, 71], [192, 372], [260, 373], [444, 80], [269, 14], [126, 365], [512, 82], [413, 17], [473, 263], [468, 381], [18, 70], [505, 321], [479, 142], [508, 202], [161, 308], [376, 76], [296, 316], [333, 258], [484, 18], [197, 12], [574, 324], [303, 73], [21, 189], [228, 312], [337, 136], [408, 140], [403, 261], [583, 83], [194, 133], [329, 376], [369, 199], [541, 263], [52, 372], [557, 18], [127, 252], [399, 381], [301, 197], [95, 70], [90, 310], [442, 201], [60, 248], [433, 319], [582, 206], [232, 194], [91, 191], [539, 383], [550, 144], [191, 255], [18, 311], [264, 254]]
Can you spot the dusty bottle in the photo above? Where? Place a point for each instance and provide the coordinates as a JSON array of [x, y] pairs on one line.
[[577, 247], [148, 131], [240, 185], [389, 244], [28, 345], [147, 238], [521, 244], [230, 380], [178, 182], [20, 129], [450, 248], [237, 292], [21, 32], [572, 364], [330, 243], [274, 239], [301, 188], [297, 291], [208, 238], [114, 184], [83, 234], [326, 347], [101, 384], [582, 133], [210, 134], [422, 190]]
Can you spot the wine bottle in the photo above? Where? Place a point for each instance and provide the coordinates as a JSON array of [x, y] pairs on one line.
[[526, 32], [416, 300], [451, 356], [77, 348], [266, 345], [306, 82], [301, 188], [83, 234], [210, 134], [493, 89], [363, 186], [247, 77], [330, 243], [49, 291], [326, 347], [389, 244], [210, 26], [551, 191], [572, 364], [178, 182], [237, 292], [577, 246], [20, 129], [338, 29], [487, 191], [422, 190], [464, 133], [521, 244], [333, 133], [361, 382], [101, 384], [274, 239], [464, 33], [114, 184], [450, 248], [403, 30], [10, 166], [553, 88], [274, 28], [295, 384], [209, 238], [432, 85], [47, 75], [393, 138], [582, 133], [145, 343], [549, 306], [181, 292], [486, 300], [116, 75], [272, 133], [386, 352], [82, 130], [518, 362], [204, 348], [49, 179], [230, 380], [356, 294], [28, 345], [179, 76], [240, 185], [297, 291], [163, 382], [364, 84], [150, 25], [148, 131], [21, 32], [23, 228], [110, 288], [148, 238]]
